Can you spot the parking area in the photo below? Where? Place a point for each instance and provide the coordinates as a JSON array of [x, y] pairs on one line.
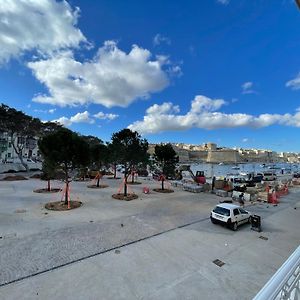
[[160, 246]]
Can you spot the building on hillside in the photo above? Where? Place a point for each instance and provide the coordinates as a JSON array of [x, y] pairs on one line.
[[30, 149]]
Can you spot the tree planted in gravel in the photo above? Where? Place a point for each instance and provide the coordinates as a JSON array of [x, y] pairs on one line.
[[131, 150], [67, 150], [166, 158], [48, 172], [99, 157], [113, 157]]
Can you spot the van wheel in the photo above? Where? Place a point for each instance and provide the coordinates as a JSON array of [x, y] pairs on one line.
[[213, 221], [234, 226]]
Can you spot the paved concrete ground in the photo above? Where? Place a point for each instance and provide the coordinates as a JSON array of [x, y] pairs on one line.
[[151, 258]]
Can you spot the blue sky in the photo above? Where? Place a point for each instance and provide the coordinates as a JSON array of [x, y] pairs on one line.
[[178, 71]]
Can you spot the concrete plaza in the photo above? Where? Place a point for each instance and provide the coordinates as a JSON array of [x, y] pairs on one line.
[[160, 246]]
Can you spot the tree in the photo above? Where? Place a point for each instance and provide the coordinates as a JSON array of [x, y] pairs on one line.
[[48, 169], [99, 157], [113, 156], [131, 149], [166, 157], [65, 149]]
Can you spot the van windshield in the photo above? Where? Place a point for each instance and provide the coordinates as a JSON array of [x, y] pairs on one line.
[[221, 211]]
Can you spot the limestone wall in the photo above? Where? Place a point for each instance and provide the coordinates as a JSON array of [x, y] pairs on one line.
[[198, 155], [225, 155]]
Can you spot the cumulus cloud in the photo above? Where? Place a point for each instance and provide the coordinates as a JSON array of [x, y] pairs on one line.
[[111, 78], [203, 114], [294, 83], [102, 116], [83, 117], [247, 88], [42, 25], [159, 39]]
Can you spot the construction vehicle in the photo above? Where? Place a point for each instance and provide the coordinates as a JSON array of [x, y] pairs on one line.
[[198, 178]]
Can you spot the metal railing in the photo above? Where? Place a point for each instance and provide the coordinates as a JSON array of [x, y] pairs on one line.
[[285, 283]]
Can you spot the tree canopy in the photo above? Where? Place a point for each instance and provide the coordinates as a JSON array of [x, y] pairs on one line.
[[66, 149], [131, 150], [166, 157]]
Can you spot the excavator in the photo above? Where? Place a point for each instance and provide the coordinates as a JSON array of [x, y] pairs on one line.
[[198, 178]]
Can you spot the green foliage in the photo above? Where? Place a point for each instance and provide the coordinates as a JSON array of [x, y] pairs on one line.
[[99, 155], [14, 121], [49, 170], [166, 157], [64, 148], [130, 149]]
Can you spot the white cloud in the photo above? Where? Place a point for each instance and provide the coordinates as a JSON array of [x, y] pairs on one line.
[[202, 103], [224, 2], [112, 78], [63, 121], [50, 111], [159, 39], [166, 107], [82, 118], [245, 140], [294, 83], [102, 116], [78, 118], [42, 25], [247, 88], [203, 114]]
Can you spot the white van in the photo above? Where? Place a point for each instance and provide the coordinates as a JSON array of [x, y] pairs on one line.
[[269, 176]]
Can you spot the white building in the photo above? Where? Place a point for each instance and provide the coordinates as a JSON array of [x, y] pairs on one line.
[[8, 154]]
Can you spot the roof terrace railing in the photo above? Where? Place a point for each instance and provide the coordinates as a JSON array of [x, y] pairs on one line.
[[285, 283]]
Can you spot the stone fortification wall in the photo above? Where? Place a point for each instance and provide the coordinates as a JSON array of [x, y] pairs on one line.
[[226, 156], [198, 155]]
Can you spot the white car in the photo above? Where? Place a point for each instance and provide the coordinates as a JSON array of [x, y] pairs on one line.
[[269, 176], [230, 215]]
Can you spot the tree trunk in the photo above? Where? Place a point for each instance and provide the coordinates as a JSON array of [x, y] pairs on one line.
[[132, 177], [49, 186], [125, 183], [115, 171], [67, 185], [162, 184], [25, 165], [19, 153], [98, 181], [67, 192]]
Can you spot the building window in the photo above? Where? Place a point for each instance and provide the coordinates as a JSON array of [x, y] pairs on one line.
[[9, 145], [9, 155]]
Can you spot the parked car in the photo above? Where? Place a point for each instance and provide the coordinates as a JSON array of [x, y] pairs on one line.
[[142, 172], [230, 215], [269, 176]]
